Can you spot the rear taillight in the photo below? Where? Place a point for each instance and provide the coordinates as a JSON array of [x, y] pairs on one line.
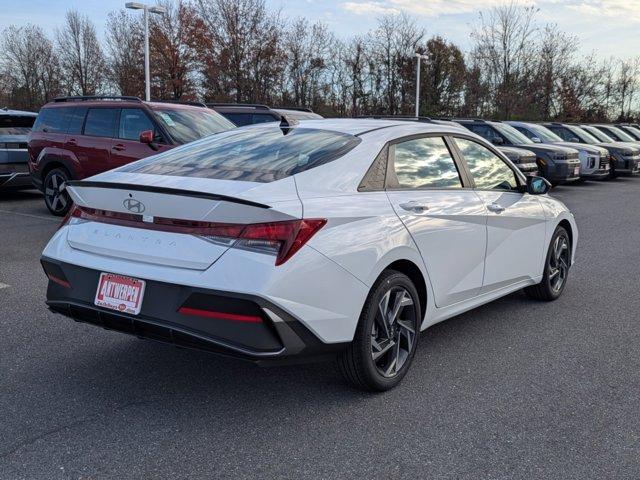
[[282, 239]]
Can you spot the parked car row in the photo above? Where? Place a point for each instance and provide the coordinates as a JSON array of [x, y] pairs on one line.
[[77, 137]]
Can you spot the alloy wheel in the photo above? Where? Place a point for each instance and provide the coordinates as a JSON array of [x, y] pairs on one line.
[[55, 194], [559, 263], [393, 331]]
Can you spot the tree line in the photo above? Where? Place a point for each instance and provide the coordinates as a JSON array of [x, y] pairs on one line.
[[240, 51]]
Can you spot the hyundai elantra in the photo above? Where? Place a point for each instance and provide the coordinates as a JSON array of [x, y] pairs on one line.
[[324, 239]]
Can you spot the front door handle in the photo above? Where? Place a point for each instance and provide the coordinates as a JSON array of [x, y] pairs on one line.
[[414, 207], [119, 147], [495, 208], [72, 141]]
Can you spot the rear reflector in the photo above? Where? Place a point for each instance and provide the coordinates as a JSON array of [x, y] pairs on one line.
[[282, 239], [197, 312]]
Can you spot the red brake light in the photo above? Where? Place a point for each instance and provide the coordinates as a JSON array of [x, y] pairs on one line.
[[285, 238]]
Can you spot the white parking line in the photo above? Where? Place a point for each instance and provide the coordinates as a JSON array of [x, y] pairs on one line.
[[4, 285], [42, 217]]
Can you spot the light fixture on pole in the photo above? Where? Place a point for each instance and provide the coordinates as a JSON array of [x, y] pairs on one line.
[[146, 10], [419, 56]]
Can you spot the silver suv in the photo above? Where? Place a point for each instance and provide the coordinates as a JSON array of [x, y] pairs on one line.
[[14, 128]]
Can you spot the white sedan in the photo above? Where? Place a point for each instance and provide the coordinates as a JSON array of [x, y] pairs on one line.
[[328, 238]]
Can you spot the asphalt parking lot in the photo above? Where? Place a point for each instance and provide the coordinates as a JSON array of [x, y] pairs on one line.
[[514, 389]]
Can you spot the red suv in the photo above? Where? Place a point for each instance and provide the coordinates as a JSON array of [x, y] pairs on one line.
[[77, 137]]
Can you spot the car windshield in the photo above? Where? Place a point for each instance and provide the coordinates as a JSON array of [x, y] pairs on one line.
[[599, 134], [544, 134], [15, 130], [186, 125], [511, 134], [16, 124], [633, 131], [583, 135], [621, 134], [256, 154]]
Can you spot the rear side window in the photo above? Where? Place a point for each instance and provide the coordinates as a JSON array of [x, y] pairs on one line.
[[134, 121], [240, 119], [52, 120], [101, 122], [260, 154], [16, 124], [76, 120], [423, 163]]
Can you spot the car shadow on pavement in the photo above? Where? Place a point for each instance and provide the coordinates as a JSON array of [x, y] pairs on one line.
[[19, 195]]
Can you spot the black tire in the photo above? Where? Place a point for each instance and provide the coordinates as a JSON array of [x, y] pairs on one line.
[[356, 363], [549, 289], [56, 198]]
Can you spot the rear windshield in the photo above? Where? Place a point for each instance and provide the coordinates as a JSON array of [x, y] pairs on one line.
[[188, 125], [256, 154], [16, 124]]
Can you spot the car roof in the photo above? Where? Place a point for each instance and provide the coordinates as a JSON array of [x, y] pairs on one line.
[[17, 113], [124, 102], [360, 126]]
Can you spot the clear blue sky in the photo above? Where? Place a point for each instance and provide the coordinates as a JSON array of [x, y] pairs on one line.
[[607, 27]]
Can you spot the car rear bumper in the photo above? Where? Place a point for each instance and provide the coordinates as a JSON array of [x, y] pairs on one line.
[[278, 338]]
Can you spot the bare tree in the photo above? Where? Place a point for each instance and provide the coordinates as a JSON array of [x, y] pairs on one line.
[[125, 47], [443, 79], [173, 59], [80, 55], [30, 69], [242, 59], [505, 49]]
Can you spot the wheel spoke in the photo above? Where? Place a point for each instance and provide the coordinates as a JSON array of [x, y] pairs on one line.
[[48, 191], [406, 325], [383, 308], [54, 204], [382, 350], [54, 181], [554, 272], [63, 200]]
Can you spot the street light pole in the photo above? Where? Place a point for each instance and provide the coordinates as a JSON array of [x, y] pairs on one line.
[[146, 9], [419, 57], [418, 84]]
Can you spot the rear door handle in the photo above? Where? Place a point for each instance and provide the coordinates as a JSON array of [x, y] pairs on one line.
[[414, 207], [119, 147], [72, 141], [495, 208]]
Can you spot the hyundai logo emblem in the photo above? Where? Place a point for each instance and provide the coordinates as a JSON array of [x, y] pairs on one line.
[[133, 205]]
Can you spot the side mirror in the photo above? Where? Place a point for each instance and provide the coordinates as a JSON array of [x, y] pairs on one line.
[[497, 141], [537, 185], [146, 136], [536, 140]]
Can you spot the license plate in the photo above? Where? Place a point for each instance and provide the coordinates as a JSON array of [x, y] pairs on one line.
[[576, 171], [606, 167], [120, 293]]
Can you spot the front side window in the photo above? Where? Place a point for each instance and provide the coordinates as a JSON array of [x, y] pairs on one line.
[[101, 122], [186, 125], [423, 163], [133, 121], [256, 154], [489, 172], [618, 134]]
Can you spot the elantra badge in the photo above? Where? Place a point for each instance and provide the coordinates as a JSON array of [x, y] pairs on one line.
[[133, 205]]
